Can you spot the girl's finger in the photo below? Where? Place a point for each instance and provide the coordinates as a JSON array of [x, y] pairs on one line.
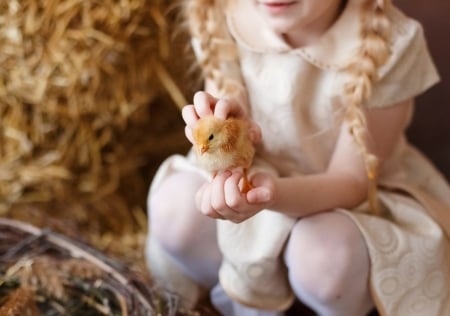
[[217, 192], [263, 191], [203, 202], [255, 133], [226, 108], [188, 133], [215, 215], [204, 104], [189, 115], [259, 195], [222, 109], [233, 195]]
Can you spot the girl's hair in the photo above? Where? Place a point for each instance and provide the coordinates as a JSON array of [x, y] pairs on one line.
[[218, 59], [373, 52], [219, 55]]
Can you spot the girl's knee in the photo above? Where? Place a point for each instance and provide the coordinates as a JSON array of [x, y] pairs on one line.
[[161, 215], [324, 253], [173, 218]]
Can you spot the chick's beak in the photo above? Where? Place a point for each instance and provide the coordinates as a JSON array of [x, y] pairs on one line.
[[203, 149]]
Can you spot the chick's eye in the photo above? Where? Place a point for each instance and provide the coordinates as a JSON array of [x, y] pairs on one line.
[[211, 137]]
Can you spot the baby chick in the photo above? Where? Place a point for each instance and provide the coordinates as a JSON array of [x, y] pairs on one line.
[[223, 145]]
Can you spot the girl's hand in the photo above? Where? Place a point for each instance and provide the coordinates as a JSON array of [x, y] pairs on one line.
[[205, 104], [222, 198]]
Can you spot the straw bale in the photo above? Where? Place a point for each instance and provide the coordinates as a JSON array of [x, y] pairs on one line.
[[88, 108], [76, 80]]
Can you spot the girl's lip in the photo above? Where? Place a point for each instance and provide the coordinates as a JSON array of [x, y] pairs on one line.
[[275, 7], [276, 3]]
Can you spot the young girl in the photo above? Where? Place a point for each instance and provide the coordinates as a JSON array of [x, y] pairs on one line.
[[344, 215]]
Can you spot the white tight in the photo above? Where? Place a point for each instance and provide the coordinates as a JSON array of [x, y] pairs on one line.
[[187, 235], [329, 265], [326, 255]]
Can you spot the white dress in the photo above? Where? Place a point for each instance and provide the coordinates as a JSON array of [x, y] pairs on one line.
[[294, 96]]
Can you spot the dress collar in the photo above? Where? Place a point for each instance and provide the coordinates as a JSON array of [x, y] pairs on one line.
[[333, 50]]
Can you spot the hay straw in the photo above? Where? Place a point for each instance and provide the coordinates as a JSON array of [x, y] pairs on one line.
[[87, 90], [75, 75]]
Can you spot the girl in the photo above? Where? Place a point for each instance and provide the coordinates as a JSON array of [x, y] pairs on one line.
[[344, 215]]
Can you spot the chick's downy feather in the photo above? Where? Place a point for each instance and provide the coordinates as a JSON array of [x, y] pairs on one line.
[[223, 145]]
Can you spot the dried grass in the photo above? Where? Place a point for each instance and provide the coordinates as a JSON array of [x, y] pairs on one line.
[[87, 112], [75, 77], [19, 302], [87, 107]]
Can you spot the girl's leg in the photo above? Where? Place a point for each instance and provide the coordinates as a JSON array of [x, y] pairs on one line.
[[329, 265], [182, 242], [227, 307]]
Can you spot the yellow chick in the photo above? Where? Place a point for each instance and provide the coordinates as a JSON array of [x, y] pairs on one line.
[[224, 145]]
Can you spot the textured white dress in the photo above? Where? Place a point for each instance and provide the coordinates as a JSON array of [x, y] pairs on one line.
[[294, 95]]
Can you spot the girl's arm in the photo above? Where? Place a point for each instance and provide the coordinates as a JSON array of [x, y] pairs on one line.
[[344, 184]]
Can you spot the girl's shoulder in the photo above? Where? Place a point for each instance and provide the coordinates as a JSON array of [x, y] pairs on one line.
[[410, 70]]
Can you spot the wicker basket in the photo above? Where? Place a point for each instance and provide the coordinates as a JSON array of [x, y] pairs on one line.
[[45, 273]]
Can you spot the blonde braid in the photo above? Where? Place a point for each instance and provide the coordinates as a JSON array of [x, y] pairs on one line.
[[373, 53], [219, 58]]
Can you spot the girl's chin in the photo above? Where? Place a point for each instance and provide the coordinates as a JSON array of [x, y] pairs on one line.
[[280, 27]]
